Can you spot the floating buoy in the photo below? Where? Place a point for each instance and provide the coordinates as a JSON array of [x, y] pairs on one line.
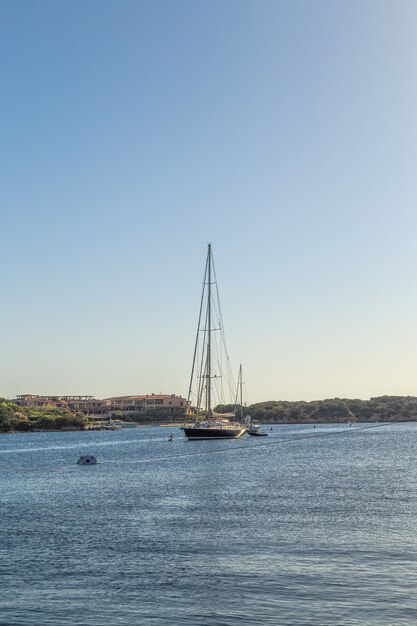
[[171, 437], [87, 459]]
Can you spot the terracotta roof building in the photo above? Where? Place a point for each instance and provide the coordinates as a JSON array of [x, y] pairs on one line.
[[134, 404], [87, 404]]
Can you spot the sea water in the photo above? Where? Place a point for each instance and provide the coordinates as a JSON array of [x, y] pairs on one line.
[[303, 527]]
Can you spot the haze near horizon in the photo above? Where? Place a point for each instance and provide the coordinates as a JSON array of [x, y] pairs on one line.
[[133, 133]]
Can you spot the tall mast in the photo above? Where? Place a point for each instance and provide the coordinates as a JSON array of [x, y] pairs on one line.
[[208, 384], [241, 395]]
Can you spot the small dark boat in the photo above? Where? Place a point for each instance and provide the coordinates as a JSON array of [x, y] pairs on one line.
[[87, 459], [257, 433]]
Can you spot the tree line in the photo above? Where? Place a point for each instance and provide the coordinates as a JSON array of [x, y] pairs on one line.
[[23, 418], [379, 409]]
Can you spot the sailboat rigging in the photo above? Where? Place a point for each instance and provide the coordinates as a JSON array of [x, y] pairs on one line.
[[211, 370], [252, 428]]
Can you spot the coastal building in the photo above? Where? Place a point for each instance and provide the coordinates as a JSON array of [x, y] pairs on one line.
[[135, 404], [93, 406], [87, 404]]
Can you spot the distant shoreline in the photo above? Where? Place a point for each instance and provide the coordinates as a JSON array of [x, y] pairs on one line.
[[179, 425], [16, 418]]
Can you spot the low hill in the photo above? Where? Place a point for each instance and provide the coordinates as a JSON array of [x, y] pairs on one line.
[[380, 409]]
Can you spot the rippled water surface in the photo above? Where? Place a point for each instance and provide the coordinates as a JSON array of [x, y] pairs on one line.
[[304, 527]]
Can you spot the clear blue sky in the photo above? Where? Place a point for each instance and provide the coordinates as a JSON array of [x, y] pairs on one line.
[[132, 133]]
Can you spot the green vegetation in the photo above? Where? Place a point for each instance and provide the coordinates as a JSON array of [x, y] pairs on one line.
[[381, 409], [159, 416], [16, 418]]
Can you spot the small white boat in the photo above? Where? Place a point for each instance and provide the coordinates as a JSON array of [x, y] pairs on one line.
[[255, 430], [257, 433]]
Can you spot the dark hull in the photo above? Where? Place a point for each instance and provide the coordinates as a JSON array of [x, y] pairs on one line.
[[257, 434], [213, 433]]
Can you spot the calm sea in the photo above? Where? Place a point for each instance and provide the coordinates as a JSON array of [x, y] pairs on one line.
[[303, 527]]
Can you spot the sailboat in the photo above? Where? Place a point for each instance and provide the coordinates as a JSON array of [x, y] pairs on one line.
[[210, 373], [251, 427], [246, 420]]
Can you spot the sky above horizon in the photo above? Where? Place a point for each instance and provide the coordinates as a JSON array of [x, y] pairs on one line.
[[134, 132]]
